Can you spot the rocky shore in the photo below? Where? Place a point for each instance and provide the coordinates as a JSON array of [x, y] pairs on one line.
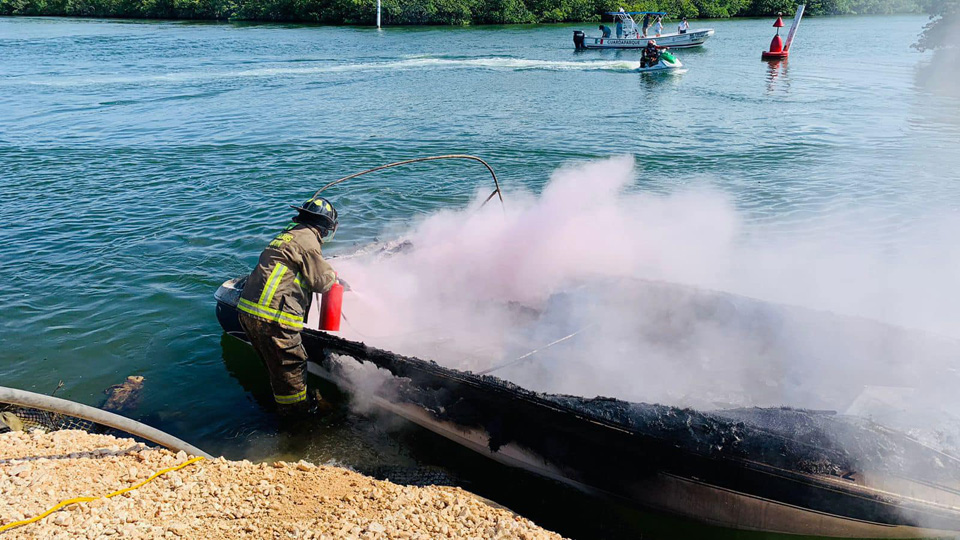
[[223, 499]]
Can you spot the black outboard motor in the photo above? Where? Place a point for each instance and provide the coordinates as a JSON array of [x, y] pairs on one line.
[[578, 39]]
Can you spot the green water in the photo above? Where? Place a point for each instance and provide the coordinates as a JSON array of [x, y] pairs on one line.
[[143, 163]]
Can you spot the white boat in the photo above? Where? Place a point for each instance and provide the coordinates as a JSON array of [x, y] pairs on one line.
[[632, 36], [666, 62]]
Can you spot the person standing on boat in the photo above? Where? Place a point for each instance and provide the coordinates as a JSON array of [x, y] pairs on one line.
[[646, 23], [276, 296], [605, 30], [619, 29], [658, 26], [683, 27]]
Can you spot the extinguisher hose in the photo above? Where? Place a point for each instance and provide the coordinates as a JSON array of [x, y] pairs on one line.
[[496, 182]]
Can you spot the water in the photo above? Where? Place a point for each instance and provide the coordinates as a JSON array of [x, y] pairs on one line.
[[143, 163]]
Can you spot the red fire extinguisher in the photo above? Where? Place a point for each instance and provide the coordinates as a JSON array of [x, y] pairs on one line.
[[330, 304]]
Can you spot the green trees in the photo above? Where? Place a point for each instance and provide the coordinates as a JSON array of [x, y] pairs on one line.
[[759, 8], [502, 12], [458, 12], [720, 8], [139, 9], [566, 10], [941, 75], [944, 25]]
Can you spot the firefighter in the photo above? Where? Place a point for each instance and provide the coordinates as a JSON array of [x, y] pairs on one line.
[[276, 298]]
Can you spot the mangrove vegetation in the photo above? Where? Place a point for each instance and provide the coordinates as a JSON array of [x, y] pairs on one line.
[[451, 12]]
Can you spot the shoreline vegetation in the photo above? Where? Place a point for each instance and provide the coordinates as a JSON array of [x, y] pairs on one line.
[[439, 12]]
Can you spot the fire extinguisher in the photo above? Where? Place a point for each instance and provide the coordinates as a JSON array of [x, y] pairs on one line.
[[330, 304]]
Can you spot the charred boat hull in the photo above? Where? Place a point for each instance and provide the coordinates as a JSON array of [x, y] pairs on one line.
[[772, 470]]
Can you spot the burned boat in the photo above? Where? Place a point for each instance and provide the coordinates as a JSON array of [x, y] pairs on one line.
[[774, 469], [762, 467]]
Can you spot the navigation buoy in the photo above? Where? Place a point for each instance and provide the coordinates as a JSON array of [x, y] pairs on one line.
[[779, 50], [331, 303], [776, 45]]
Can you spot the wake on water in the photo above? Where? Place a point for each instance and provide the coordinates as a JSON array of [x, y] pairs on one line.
[[500, 63]]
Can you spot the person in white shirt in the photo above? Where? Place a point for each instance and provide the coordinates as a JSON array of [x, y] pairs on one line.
[[658, 27], [684, 26]]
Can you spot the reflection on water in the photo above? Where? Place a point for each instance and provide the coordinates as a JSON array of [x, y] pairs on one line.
[[777, 79], [261, 435], [659, 82]]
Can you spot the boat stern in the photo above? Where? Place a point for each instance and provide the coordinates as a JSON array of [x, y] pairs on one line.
[[228, 297]]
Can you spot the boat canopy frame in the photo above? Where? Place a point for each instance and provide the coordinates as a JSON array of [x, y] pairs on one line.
[[630, 27]]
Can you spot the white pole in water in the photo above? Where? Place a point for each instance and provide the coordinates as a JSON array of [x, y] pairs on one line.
[[378, 13], [793, 27]]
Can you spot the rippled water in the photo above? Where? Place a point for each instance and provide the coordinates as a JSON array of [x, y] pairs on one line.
[[142, 163]]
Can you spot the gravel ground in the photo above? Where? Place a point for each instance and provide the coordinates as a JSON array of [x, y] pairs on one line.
[[223, 499]]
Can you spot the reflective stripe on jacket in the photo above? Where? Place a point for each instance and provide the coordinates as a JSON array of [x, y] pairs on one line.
[[290, 268]]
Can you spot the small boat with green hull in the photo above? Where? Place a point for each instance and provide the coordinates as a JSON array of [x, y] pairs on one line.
[[664, 62]]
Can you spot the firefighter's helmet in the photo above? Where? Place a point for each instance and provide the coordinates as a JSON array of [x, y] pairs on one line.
[[319, 213]]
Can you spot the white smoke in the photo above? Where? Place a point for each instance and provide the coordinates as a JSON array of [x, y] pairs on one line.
[[589, 257], [941, 75], [581, 227]]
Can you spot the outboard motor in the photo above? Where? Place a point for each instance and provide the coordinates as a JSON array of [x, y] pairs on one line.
[[578, 37]]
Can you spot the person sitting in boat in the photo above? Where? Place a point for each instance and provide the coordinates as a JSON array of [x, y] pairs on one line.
[[650, 54], [276, 297], [605, 30]]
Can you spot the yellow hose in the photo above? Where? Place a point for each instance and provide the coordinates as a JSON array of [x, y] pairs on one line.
[[76, 500]]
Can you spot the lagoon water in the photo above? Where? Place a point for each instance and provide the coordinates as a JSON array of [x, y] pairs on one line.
[[142, 163]]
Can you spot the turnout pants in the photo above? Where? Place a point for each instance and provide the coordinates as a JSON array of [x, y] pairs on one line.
[[282, 351]]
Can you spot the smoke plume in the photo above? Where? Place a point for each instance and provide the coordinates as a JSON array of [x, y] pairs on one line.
[[675, 299]]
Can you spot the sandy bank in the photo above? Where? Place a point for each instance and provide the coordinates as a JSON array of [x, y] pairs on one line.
[[222, 499]]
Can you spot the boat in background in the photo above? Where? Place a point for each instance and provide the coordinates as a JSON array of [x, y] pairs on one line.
[[633, 37]]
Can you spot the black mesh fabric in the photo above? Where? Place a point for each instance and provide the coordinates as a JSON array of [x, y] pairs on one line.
[[31, 419]]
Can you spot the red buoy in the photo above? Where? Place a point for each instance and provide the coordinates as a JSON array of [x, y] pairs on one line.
[[776, 44], [778, 50], [330, 305]]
